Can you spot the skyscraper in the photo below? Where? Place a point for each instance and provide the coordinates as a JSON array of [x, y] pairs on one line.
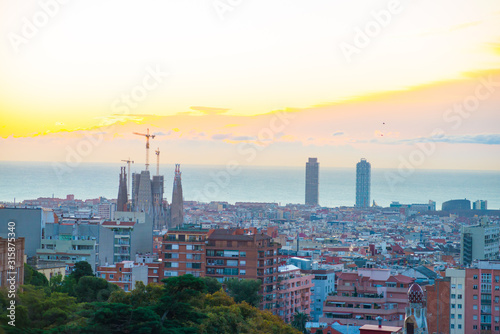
[[177, 206], [312, 181], [363, 172]]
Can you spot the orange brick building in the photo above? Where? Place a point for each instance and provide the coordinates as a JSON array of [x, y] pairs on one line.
[[233, 254]]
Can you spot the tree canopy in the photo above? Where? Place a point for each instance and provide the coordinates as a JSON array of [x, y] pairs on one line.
[[181, 305], [246, 290]]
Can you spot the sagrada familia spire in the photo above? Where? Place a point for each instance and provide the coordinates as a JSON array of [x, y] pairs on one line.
[[177, 206]]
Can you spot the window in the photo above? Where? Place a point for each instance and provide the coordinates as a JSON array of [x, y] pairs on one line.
[[453, 296], [459, 296], [452, 305], [474, 307], [243, 263], [459, 305], [474, 317], [474, 327], [485, 278], [452, 326], [453, 286], [155, 271], [243, 272], [243, 254], [232, 263], [111, 276], [459, 326], [459, 316], [175, 264], [474, 297], [103, 275], [452, 316], [474, 277], [497, 279], [189, 256], [497, 287], [460, 286], [189, 247], [474, 287], [497, 308]]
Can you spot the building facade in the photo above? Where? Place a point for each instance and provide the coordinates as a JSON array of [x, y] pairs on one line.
[[323, 285], [234, 254], [479, 242], [125, 274], [438, 305], [11, 262], [183, 252], [312, 181], [456, 301], [294, 292], [364, 295], [363, 179]]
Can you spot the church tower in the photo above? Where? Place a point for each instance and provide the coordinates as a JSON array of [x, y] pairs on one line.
[[416, 312]]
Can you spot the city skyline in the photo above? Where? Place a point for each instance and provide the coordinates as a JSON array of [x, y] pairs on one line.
[[268, 96]]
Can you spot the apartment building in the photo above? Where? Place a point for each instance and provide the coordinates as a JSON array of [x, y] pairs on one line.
[[364, 295], [11, 251], [183, 251], [235, 253], [294, 292], [125, 274]]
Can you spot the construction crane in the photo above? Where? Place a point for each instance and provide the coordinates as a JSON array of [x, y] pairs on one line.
[[128, 186], [157, 152], [147, 135]]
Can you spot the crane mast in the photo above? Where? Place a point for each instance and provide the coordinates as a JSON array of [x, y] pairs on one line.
[[147, 135]]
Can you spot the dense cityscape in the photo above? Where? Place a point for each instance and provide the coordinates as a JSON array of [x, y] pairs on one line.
[[408, 268], [250, 167]]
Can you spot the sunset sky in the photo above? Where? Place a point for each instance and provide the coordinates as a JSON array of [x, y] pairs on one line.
[[259, 82]]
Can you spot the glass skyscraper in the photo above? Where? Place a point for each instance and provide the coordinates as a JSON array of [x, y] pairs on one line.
[[363, 174]]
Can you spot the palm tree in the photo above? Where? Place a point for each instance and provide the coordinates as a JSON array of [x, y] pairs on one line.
[[299, 321]]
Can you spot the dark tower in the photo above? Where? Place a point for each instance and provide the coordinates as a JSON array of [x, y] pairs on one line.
[[158, 209], [121, 203], [177, 206], [312, 181]]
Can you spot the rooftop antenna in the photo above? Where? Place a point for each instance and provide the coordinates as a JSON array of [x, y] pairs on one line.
[[128, 186], [157, 152], [147, 135]]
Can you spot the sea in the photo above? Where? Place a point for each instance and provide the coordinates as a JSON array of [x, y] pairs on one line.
[[283, 185]]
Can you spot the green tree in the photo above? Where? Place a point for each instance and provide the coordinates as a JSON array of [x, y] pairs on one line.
[[141, 296], [93, 289], [179, 304], [33, 277], [245, 290], [81, 269], [299, 321], [213, 285], [36, 308], [118, 318]]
